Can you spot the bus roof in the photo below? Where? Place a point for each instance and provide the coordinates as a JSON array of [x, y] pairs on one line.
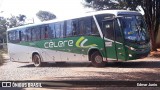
[[114, 12]]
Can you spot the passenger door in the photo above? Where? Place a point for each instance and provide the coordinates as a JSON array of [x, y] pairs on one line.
[[119, 41], [109, 39], [113, 40]]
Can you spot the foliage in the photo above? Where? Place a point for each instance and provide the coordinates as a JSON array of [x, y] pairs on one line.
[[150, 7], [13, 21], [112, 4], [102, 4], [3, 28], [45, 15]]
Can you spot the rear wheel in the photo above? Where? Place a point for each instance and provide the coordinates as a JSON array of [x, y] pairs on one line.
[[97, 59], [36, 60]]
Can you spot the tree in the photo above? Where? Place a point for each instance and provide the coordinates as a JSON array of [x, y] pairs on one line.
[[6, 23], [150, 7], [3, 28], [45, 15], [21, 18], [15, 21], [112, 4], [105, 4], [152, 15]]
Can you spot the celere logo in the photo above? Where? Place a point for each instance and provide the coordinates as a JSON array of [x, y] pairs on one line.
[[81, 41], [58, 44]]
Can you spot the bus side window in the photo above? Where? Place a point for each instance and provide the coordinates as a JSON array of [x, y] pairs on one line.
[[20, 37], [69, 28], [10, 36], [23, 35], [57, 29], [65, 29], [118, 34], [62, 29], [33, 31], [74, 27], [52, 30], [38, 34], [13, 36], [17, 38], [94, 29], [108, 29], [87, 23], [44, 32], [81, 27], [28, 34], [85, 26]]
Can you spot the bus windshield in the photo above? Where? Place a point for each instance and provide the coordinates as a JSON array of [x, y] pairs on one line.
[[134, 28]]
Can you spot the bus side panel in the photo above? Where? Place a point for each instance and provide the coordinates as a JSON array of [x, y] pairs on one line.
[[61, 56], [70, 49], [50, 55], [19, 53]]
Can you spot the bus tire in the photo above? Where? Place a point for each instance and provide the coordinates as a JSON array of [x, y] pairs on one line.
[[36, 60], [97, 59]]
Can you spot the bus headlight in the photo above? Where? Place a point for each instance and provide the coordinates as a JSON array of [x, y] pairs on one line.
[[131, 48], [130, 55]]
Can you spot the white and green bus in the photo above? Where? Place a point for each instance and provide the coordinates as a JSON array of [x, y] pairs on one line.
[[99, 37]]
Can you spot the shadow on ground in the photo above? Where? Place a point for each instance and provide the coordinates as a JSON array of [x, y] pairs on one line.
[[60, 64], [140, 64]]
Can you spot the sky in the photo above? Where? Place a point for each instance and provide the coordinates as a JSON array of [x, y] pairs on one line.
[[61, 8]]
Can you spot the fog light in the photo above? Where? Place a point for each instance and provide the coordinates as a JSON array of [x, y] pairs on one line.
[[132, 48], [130, 55]]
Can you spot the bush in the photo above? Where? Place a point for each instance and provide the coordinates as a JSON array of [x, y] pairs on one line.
[[2, 51]]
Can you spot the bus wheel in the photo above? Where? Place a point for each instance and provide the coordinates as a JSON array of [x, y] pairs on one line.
[[36, 60], [97, 60]]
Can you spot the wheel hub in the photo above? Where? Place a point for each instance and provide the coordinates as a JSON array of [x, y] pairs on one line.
[[98, 59], [36, 60]]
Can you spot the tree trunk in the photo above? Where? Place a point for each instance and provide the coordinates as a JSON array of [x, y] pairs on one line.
[[153, 44], [151, 20]]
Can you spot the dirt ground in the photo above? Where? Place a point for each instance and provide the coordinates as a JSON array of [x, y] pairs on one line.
[[146, 69]]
